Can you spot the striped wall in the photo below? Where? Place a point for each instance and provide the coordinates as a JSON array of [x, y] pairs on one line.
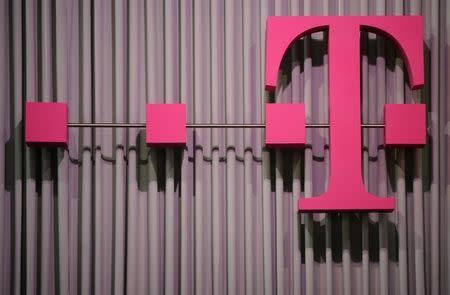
[[107, 215]]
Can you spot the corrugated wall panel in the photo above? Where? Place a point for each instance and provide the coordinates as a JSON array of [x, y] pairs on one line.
[[108, 215]]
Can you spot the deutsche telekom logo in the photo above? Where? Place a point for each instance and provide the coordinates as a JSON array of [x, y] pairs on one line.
[[404, 124]]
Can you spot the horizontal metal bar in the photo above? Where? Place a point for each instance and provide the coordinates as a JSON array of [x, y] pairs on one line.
[[372, 125], [224, 125], [107, 125], [317, 125], [202, 125]]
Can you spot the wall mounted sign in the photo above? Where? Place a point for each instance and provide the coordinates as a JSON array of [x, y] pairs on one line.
[[346, 190], [404, 125]]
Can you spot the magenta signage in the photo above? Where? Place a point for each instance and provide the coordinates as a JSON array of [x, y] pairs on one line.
[[404, 125]]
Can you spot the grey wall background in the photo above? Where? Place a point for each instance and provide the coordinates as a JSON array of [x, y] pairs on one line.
[[110, 216]]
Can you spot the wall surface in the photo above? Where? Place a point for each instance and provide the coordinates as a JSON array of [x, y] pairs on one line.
[[107, 215]]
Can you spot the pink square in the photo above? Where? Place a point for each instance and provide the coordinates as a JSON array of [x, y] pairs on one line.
[[46, 123], [405, 125], [166, 125], [285, 125]]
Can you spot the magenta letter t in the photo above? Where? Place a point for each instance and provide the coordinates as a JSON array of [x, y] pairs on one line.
[[346, 190]]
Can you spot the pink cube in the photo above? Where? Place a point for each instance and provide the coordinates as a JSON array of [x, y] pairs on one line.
[[166, 125], [405, 125], [285, 125], [46, 123]]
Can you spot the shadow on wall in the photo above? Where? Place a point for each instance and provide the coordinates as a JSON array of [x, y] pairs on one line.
[[356, 246], [37, 170], [157, 156], [10, 150]]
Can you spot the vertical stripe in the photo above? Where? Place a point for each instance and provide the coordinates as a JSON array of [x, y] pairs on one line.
[[400, 178], [309, 219], [365, 140], [32, 198], [62, 243]]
